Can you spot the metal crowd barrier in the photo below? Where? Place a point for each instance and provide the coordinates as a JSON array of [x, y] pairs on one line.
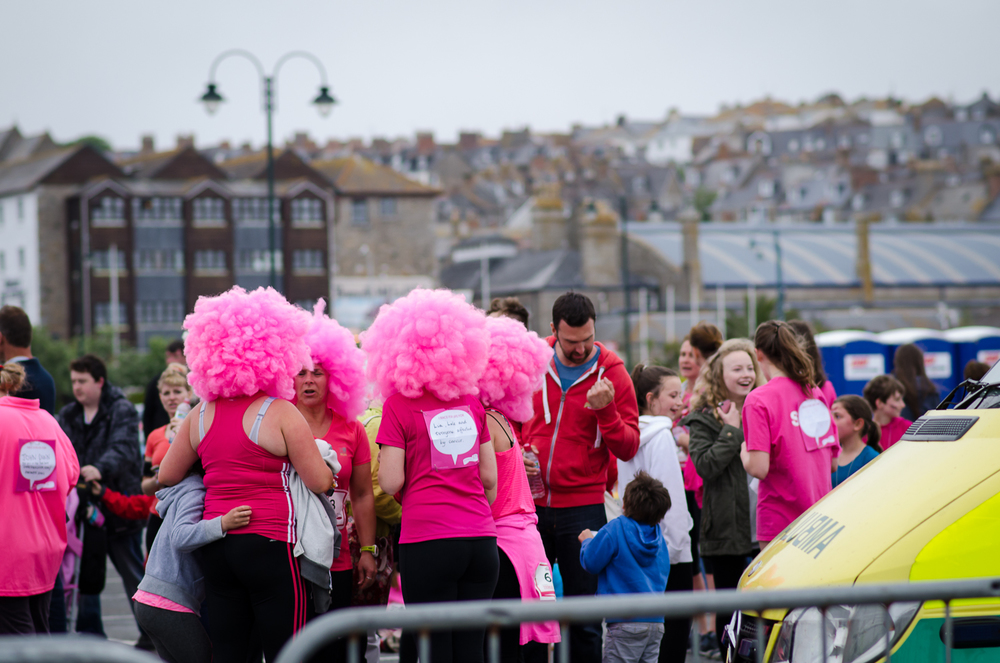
[[494, 615]]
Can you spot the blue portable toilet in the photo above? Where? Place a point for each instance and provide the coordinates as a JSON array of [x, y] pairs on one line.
[[851, 358], [939, 353], [979, 343]]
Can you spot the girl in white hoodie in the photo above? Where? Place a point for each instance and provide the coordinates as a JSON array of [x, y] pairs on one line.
[[659, 394]]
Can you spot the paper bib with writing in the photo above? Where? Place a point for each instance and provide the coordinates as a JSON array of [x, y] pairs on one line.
[[454, 438], [543, 582], [36, 466], [815, 424]]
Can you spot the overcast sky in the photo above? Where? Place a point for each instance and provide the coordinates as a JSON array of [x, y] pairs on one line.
[[122, 68]]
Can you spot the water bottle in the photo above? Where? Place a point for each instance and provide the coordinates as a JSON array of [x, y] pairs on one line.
[[535, 482], [182, 411]]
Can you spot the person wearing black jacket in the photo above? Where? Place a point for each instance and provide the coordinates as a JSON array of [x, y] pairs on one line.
[[15, 345], [103, 426]]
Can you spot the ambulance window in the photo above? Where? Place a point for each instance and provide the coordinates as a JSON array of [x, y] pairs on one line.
[[975, 633]]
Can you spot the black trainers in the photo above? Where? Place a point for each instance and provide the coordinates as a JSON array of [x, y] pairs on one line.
[[709, 645]]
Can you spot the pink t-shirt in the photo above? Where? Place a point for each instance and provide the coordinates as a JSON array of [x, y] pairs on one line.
[[892, 431], [443, 496], [801, 438], [38, 469], [513, 490], [829, 393], [157, 601], [349, 440]]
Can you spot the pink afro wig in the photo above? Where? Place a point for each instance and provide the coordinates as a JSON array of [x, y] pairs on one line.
[[515, 369], [241, 343], [333, 348], [430, 339]]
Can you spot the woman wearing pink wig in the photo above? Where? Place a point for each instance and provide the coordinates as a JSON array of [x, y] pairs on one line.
[[244, 350], [330, 397], [426, 353], [515, 370]]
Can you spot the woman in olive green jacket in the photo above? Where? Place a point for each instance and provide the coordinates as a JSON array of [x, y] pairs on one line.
[[716, 437]]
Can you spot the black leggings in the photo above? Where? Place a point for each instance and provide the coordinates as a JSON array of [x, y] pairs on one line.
[[342, 584], [255, 596], [463, 569], [179, 637], [677, 632], [728, 569]]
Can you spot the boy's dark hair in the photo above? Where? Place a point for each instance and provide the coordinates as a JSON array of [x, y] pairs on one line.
[[975, 370], [574, 308], [90, 364], [15, 326], [510, 307], [176, 345], [645, 500], [882, 387]]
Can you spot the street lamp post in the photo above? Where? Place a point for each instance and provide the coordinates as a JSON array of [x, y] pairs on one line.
[[324, 104]]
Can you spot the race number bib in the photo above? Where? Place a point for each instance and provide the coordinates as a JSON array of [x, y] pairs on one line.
[[339, 500], [36, 466], [815, 424], [543, 582], [453, 436]]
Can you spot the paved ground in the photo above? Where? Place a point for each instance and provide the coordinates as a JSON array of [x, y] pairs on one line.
[[119, 623]]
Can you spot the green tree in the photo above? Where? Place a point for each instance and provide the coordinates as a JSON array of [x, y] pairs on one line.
[[703, 199], [131, 370], [97, 142], [737, 324]]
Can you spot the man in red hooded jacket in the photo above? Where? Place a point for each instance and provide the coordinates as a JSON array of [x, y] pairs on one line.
[[585, 412]]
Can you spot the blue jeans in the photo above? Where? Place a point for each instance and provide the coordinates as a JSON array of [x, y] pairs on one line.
[[560, 529], [125, 551]]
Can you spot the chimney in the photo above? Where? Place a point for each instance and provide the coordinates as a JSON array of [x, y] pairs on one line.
[[690, 220], [425, 142], [147, 144], [600, 250], [548, 223], [468, 140], [185, 141]]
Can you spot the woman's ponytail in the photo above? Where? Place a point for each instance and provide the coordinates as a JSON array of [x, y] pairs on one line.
[[780, 344]]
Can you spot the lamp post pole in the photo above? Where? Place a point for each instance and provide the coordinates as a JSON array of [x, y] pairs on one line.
[[324, 104]]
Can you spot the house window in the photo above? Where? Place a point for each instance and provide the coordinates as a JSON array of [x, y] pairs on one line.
[[933, 136], [255, 209], [844, 142], [108, 211], [210, 261], [102, 260], [209, 211], [159, 260], [308, 261], [307, 211], [102, 314], [987, 135], [858, 202], [897, 139], [359, 211], [156, 209], [20, 258], [3, 261], [793, 145], [20, 208], [896, 198], [821, 144], [159, 312], [257, 261], [387, 206]]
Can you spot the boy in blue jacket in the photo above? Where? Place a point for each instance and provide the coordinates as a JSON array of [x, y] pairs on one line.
[[629, 555]]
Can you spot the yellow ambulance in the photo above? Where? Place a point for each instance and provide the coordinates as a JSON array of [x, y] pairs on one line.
[[926, 509]]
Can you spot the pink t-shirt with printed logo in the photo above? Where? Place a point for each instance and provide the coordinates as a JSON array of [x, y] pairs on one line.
[[892, 431], [443, 496], [801, 438], [349, 440]]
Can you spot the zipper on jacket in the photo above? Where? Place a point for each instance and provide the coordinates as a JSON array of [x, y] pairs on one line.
[[552, 449]]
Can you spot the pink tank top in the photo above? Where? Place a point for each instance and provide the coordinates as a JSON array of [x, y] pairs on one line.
[[238, 472], [513, 492]]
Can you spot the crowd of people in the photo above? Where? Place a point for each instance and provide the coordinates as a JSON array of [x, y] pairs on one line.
[[290, 469]]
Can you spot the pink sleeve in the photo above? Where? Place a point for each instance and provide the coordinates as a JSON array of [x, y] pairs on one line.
[[362, 451], [390, 431], [756, 426]]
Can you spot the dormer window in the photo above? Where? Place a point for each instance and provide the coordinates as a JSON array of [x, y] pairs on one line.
[[793, 145], [897, 198], [987, 135], [844, 142], [765, 188], [933, 136], [897, 139], [209, 211]]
